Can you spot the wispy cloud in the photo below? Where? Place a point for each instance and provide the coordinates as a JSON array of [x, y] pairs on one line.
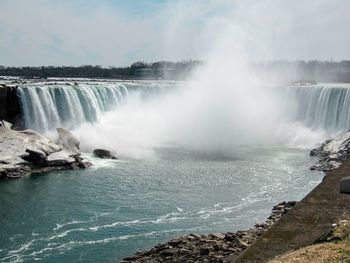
[[43, 32]]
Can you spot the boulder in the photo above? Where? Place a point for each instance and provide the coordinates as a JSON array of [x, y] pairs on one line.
[[3, 174], [203, 251], [344, 185], [103, 154], [218, 235], [168, 252], [84, 165]]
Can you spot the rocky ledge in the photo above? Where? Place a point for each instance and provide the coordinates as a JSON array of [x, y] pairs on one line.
[[220, 247], [332, 153], [26, 152]]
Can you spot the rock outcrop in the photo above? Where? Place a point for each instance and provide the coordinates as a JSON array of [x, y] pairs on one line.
[[10, 108], [332, 153], [344, 185], [103, 154], [24, 152], [218, 247]]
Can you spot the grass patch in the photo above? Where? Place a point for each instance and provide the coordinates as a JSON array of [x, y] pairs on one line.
[[335, 249]]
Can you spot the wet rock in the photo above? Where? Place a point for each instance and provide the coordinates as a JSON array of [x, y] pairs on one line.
[[103, 154], [3, 175], [291, 203], [195, 235], [217, 247], [130, 259], [241, 243], [218, 235], [13, 171], [230, 236], [344, 185], [203, 251], [168, 252], [84, 165]]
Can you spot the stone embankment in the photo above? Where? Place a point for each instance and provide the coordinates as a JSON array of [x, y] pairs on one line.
[[26, 152], [219, 247], [308, 223]]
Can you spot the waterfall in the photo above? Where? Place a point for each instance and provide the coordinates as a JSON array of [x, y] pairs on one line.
[[46, 107], [323, 106]]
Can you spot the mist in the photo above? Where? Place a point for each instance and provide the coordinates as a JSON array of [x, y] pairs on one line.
[[224, 105]]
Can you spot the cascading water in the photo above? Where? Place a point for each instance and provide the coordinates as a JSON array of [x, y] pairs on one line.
[[322, 106], [46, 107], [118, 207]]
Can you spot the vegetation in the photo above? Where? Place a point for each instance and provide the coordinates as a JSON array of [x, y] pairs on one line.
[[319, 71], [335, 249], [320, 253], [137, 70]]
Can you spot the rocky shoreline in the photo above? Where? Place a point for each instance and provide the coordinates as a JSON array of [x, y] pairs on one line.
[[331, 153], [219, 247], [27, 152], [225, 247]]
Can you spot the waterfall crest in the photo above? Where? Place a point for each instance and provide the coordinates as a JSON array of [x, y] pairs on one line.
[[46, 107], [319, 107]]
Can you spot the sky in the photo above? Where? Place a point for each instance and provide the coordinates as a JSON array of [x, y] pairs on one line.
[[120, 32]]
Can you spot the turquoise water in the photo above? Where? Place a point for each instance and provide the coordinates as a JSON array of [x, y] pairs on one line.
[[116, 208]]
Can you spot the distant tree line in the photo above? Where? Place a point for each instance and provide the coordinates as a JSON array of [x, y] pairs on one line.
[[281, 70], [137, 70]]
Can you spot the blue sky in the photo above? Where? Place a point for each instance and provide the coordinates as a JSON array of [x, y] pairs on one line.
[[119, 32]]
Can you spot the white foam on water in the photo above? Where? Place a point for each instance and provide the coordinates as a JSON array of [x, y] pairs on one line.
[[65, 233], [73, 222]]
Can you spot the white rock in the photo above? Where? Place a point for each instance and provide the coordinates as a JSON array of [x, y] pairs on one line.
[[332, 153], [59, 158], [69, 142], [17, 144]]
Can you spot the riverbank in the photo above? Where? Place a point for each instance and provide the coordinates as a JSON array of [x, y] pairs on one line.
[[217, 247], [307, 223]]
